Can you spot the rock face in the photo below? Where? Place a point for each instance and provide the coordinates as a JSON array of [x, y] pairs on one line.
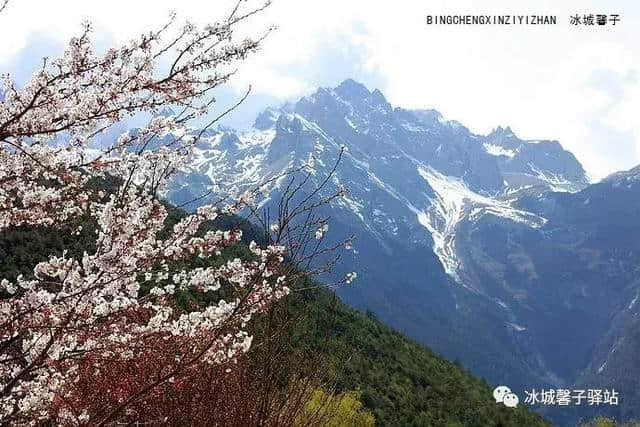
[[492, 250]]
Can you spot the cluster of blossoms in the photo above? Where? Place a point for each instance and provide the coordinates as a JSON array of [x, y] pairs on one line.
[[350, 277], [76, 318]]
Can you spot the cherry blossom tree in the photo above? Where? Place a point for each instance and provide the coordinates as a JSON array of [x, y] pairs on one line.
[[84, 340]]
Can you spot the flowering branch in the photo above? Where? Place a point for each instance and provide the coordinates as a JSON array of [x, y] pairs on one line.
[[77, 318]]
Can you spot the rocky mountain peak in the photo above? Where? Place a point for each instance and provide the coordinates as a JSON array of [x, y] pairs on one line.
[[352, 90], [267, 119], [503, 136]]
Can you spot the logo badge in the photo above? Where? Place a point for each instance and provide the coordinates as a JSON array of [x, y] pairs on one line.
[[503, 395]]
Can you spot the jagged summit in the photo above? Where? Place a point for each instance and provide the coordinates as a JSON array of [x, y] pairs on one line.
[[350, 99], [266, 119], [350, 89], [350, 114], [500, 131]]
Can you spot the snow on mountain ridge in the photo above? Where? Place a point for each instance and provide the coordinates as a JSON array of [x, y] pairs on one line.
[[468, 176], [497, 150]]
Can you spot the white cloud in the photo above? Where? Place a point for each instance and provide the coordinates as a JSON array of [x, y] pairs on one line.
[[574, 84]]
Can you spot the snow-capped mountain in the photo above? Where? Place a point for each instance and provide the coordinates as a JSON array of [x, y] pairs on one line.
[[487, 248], [404, 169]]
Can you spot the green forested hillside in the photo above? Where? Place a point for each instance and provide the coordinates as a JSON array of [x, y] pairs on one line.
[[399, 381]]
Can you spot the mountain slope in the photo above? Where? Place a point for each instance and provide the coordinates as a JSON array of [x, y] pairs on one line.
[[401, 382]]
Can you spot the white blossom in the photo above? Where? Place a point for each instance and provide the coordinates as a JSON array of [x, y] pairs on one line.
[[320, 232]]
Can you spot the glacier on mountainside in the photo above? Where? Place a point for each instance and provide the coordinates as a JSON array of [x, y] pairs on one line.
[[453, 202]]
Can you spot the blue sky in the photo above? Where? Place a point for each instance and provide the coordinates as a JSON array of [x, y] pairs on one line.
[[579, 85]]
